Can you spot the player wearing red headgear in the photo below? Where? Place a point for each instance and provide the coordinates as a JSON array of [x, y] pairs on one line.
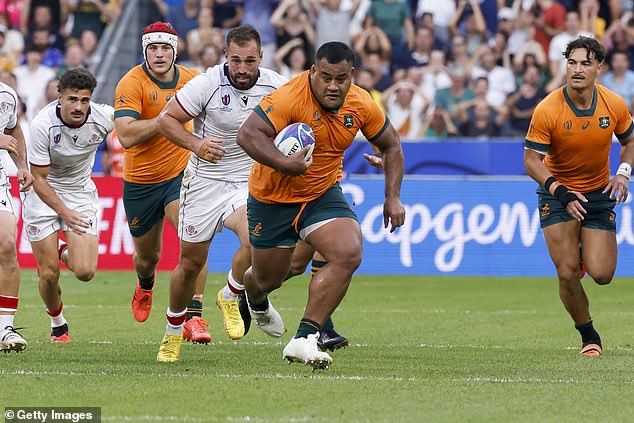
[[153, 166]]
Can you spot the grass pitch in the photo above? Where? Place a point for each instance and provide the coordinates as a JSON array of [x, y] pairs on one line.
[[423, 349]]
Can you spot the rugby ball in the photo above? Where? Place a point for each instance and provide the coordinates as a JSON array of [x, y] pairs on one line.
[[295, 137]]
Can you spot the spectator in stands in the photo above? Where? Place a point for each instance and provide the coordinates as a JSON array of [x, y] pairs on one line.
[[51, 93], [550, 20], [420, 54], [203, 34], [209, 56], [184, 18], [617, 38], [459, 57], [394, 18], [12, 10], [373, 40], [523, 32], [522, 102], [32, 78], [73, 58], [442, 13], [290, 59], [620, 78], [88, 43], [447, 98], [405, 107], [29, 18], [13, 39], [435, 75], [364, 78], [558, 44], [7, 59], [501, 79], [531, 53], [469, 22], [257, 14], [482, 121], [227, 13], [53, 57], [379, 68], [291, 21], [86, 15], [332, 22], [506, 21], [499, 47], [43, 18], [438, 124]]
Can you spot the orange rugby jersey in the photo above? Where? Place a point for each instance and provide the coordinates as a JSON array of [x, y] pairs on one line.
[[334, 132], [141, 96], [577, 142]]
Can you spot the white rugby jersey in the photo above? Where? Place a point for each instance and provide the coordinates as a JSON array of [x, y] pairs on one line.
[[8, 117], [219, 109], [69, 152]]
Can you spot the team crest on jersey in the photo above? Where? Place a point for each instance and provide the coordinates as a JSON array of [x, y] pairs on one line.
[[4, 107], [348, 121], [604, 122], [95, 138]]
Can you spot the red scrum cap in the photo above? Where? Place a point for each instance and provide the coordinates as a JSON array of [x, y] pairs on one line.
[[159, 33]]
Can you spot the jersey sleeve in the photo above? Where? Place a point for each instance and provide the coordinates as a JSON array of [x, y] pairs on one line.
[[624, 124], [276, 108], [128, 98], [193, 96], [38, 153], [107, 117], [9, 101], [538, 135], [374, 121]]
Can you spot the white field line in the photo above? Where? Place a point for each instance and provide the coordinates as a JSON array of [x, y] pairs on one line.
[[254, 419], [538, 380]]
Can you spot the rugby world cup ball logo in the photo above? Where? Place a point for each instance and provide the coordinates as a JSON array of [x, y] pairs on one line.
[[295, 137], [226, 99]]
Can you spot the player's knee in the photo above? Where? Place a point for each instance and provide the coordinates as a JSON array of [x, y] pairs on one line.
[[602, 278], [192, 266], [147, 262], [48, 275], [568, 272], [84, 273], [349, 260], [7, 251], [296, 269]]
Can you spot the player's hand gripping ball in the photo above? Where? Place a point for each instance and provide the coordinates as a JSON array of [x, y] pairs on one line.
[[295, 137]]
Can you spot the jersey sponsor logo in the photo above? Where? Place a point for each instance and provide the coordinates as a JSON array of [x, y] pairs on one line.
[[586, 124], [268, 110], [348, 121], [257, 230], [135, 223], [545, 211], [604, 122], [612, 217], [245, 99], [75, 137], [168, 98], [3, 202], [121, 100]]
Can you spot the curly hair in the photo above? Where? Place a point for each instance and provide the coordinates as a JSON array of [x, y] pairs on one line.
[[593, 48], [77, 79]]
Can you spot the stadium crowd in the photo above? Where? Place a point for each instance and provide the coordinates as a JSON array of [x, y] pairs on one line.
[[427, 63]]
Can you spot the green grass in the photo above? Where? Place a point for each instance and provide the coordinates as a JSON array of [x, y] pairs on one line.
[[422, 349]]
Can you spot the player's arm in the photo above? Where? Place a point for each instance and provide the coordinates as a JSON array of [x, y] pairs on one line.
[[255, 135], [18, 154], [389, 146], [618, 186], [135, 131], [170, 123], [77, 222]]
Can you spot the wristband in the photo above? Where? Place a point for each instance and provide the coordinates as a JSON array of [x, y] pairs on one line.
[[625, 169], [549, 181], [564, 195]]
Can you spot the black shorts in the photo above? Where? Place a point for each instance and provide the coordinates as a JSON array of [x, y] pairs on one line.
[[600, 210]]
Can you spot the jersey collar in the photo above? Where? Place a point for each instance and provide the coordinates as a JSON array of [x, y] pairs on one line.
[[578, 112], [169, 85]]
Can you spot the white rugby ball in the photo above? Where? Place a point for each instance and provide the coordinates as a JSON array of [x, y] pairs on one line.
[[295, 137]]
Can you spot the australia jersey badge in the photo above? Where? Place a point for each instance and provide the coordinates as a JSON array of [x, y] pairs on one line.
[[348, 121], [604, 122]]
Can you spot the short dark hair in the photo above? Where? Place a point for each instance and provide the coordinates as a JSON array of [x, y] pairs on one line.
[[242, 35], [335, 52], [77, 79], [593, 48]]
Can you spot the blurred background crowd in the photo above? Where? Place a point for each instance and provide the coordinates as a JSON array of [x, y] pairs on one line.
[[439, 68]]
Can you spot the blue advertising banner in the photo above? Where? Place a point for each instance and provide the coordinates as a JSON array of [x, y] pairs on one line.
[[454, 226]]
